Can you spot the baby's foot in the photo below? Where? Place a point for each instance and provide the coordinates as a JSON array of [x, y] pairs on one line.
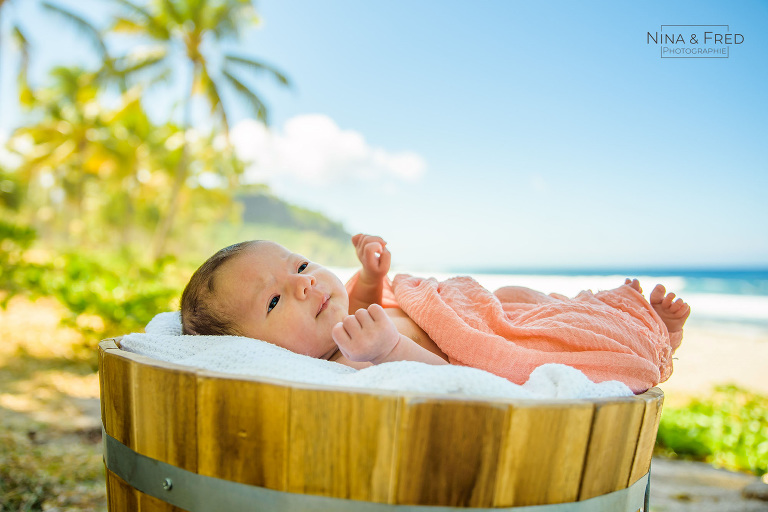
[[673, 312], [634, 283]]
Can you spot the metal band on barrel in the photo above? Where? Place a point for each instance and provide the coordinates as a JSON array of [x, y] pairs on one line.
[[199, 493]]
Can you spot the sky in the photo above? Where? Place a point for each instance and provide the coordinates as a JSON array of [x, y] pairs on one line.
[[500, 133]]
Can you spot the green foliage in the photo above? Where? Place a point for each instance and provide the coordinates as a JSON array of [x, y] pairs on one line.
[[11, 191], [112, 286], [728, 429], [14, 240], [123, 295]]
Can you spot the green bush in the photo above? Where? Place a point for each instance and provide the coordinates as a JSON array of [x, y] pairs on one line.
[[111, 285], [728, 429]]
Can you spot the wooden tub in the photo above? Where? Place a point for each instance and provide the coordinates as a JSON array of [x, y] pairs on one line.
[[189, 437]]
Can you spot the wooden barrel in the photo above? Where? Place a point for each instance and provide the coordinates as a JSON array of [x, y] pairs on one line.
[[378, 447]]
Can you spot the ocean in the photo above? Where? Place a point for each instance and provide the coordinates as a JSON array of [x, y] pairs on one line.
[[719, 298]]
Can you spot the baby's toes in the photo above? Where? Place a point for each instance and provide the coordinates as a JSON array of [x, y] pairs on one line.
[[677, 306], [657, 295], [684, 310], [634, 283], [668, 300]]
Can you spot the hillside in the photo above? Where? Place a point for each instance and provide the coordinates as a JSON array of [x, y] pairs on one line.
[[307, 232], [264, 208]]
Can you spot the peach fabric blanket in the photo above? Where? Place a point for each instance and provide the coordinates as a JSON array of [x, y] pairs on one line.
[[608, 335]]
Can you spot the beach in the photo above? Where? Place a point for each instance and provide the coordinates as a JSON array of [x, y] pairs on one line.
[[714, 354]]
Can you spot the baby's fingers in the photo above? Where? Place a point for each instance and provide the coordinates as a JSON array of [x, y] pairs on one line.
[[377, 313], [352, 326], [363, 317], [385, 258], [341, 337], [373, 253]]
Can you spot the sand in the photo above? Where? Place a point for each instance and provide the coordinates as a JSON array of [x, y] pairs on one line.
[[715, 353]]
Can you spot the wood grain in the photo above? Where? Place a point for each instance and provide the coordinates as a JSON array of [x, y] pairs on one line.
[[653, 400], [542, 454], [243, 430], [164, 412], [341, 444], [612, 443], [448, 451]]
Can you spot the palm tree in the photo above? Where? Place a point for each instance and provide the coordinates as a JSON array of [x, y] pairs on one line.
[[19, 34], [190, 26]]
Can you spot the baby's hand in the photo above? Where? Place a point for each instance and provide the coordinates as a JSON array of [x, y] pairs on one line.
[[373, 254], [368, 335]]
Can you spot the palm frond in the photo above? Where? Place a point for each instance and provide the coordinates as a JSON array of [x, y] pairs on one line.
[[141, 59], [174, 14], [85, 28], [127, 25], [195, 10], [211, 91], [20, 38], [147, 20], [258, 66], [26, 94], [229, 18], [221, 21], [136, 9], [253, 100]]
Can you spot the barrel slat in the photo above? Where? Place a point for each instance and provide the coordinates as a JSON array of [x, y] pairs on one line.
[[116, 378], [341, 444], [653, 400], [149, 503], [612, 444], [103, 346], [243, 430], [121, 497], [542, 454], [164, 409], [448, 452]]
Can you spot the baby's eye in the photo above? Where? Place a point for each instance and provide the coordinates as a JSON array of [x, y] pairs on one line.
[[273, 303], [303, 267]]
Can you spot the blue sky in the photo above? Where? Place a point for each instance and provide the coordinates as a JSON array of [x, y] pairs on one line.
[[507, 133]]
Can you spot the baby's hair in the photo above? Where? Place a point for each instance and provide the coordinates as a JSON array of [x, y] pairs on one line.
[[199, 314]]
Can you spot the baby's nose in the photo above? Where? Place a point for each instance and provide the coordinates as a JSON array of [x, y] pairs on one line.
[[304, 283]]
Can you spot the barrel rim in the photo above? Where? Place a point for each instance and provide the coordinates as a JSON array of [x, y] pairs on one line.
[[112, 345]]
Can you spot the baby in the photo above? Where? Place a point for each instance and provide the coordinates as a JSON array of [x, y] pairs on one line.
[[261, 290]]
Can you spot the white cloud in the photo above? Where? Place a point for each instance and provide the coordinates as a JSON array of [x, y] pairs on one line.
[[314, 149]]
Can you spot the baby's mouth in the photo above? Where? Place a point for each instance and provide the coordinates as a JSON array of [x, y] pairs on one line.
[[323, 305]]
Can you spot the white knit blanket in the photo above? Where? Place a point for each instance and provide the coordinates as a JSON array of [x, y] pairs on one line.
[[245, 356]]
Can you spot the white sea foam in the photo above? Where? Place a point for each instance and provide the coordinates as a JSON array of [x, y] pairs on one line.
[[716, 306]]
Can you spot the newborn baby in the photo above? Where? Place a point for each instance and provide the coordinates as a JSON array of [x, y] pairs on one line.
[[261, 290]]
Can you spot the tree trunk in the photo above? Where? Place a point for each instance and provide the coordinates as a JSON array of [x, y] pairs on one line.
[[180, 176]]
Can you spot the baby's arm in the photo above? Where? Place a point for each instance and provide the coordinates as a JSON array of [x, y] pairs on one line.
[[369, 335], [375, 258]]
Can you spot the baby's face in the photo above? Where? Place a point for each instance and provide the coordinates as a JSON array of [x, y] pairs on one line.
[[283, 298]]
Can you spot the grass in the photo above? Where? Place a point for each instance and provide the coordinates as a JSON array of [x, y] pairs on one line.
[[50, 449], [728, 429]]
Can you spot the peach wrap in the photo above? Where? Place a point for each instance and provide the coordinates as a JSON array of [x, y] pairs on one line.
[[608, 335]]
